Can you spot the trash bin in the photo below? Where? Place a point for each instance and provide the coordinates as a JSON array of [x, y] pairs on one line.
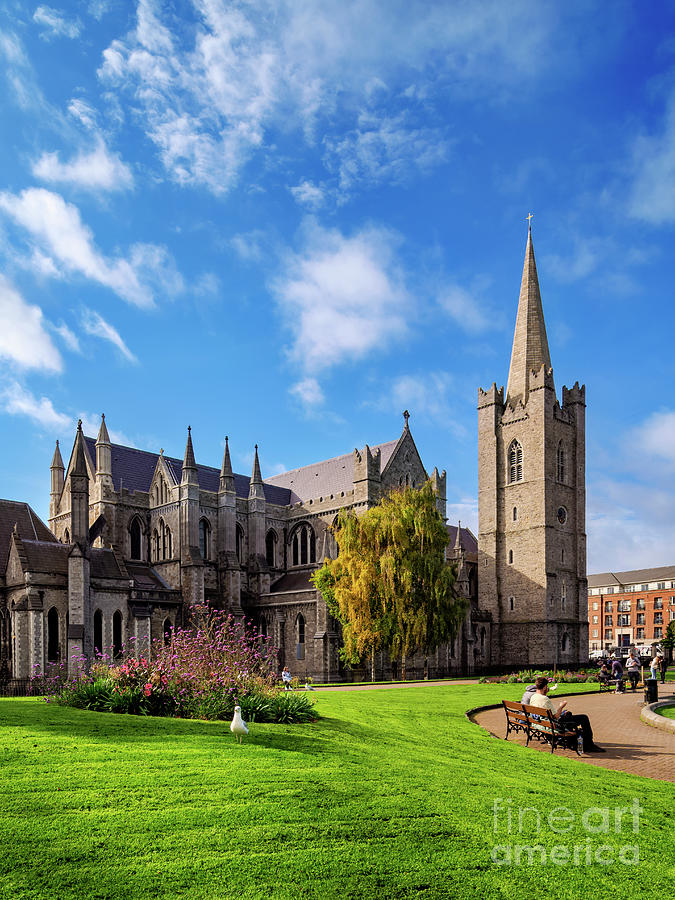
[[651, 690]]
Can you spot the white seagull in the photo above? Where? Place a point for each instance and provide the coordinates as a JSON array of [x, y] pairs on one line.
[[237, 725]]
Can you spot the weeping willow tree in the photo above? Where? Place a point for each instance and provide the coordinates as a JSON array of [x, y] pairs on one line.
[[390, 587]]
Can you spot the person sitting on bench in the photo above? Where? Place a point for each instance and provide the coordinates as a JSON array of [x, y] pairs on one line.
[[604, 674], [633, 669], [617, 674], [565, 718]]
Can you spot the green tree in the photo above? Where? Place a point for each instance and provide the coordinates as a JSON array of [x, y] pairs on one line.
[[668, 642], [391, 587]]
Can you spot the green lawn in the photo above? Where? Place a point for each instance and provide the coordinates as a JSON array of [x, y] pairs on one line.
[[668, 711], [390, 794]]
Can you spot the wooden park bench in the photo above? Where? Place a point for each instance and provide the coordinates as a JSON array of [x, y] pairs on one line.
[[536, 723], [619, 684]]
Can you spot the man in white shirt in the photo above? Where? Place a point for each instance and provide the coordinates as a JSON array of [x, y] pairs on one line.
[[541, 700]]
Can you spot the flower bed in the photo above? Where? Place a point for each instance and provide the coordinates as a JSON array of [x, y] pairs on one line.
[[528, 676], [202, 673]]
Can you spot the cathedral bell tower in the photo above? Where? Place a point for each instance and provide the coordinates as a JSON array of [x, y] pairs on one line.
[[531, 502]]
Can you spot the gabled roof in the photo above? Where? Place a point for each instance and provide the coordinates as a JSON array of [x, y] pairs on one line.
[[634, 576], [29, 525], [134, 470], [467, 539], [52, 558], [331, 476]]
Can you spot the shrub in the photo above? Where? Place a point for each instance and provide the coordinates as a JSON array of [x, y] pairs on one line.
[[206, 669]]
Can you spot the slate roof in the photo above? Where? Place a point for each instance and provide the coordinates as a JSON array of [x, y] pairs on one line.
[[293, 581], [135, 468], [29, 524], [43, 556], [467, 539], [146, 578], [634, 576], [331, 476]]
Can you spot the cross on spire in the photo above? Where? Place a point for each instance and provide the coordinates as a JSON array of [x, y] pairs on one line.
[[529, 221], [406, 416]]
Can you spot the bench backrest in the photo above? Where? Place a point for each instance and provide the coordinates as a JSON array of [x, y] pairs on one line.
[[541, 719], [515, 713]]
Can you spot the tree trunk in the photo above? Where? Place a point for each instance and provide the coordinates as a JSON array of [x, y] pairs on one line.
[[403, 667], [372, 664]]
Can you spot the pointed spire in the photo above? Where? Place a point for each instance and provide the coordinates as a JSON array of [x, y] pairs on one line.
[[80, 465], [530, 346], [226, 468], [458, 539], [103, 436], [256, 477], [57, 462], [189, 458], [226, 473]]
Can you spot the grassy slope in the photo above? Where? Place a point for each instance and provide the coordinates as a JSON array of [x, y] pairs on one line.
[[389, 795]]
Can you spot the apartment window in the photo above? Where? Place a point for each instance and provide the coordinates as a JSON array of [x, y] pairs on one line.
[[640, 603], [640, 619], [595, 606], [595, 620], [671, 600], [644, 587], [608, 634], [609, 590], [595, 632], [624, 606], [608, 620], [623, 621], [660, 586], [639, 634], [658, 632], [608, 605], [672, 615], [658, 618], [658, 602], [515, 462]]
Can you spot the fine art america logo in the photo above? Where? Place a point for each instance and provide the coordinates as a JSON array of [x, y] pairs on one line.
[[596, 821]]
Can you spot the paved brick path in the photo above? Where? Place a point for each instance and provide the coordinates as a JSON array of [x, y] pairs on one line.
[[631, 745]]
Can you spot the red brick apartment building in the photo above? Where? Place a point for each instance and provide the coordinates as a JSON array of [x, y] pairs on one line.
[[628, 609]]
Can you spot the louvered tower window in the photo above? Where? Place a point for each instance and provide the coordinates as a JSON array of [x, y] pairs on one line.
[[515, 462]]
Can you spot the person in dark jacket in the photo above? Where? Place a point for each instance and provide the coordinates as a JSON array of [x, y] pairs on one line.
[[617, 674]]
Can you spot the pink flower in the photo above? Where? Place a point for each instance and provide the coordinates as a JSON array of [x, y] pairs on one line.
[[147, 690]]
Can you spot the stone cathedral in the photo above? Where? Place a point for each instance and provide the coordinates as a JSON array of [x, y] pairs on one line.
[[135, 538]]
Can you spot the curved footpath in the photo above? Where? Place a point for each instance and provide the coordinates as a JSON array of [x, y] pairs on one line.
[[632, 746]]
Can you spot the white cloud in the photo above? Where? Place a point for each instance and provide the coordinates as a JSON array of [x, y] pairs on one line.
[[656, 436], [84, 112], [309, 195], [424, 395], [208, 94], [57, 226], [16, 400], [308, 392], [24, 339], [67, 336], [464, 510], [468, 308], [385, 150], [96, 170], [94, 324], [652, 192], [342, 297], [249, 245], [55, 23]]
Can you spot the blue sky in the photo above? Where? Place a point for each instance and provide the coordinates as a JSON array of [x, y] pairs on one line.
[[289, 221]]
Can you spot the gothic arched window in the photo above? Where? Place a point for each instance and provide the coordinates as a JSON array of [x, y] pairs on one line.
[[565, 644], [515, 462], [135, 539], [240, 543], [52, 635], [155, 545], [271, 547], [204, 538], [300, 636], [168, 543], [303, 543], [562, 464], [117, 634], [66, 537], [98, 632]]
